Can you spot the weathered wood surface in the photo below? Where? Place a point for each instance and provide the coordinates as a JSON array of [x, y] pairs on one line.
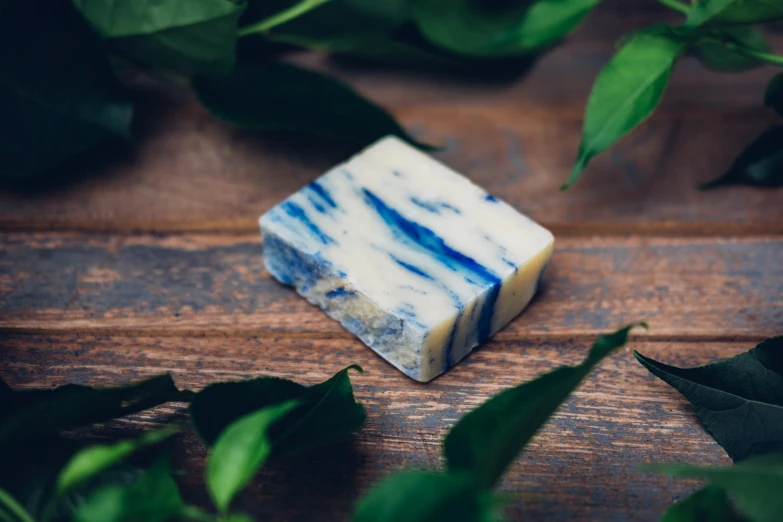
[[517, 138], [582, 466], [148, 261], [216, 285]]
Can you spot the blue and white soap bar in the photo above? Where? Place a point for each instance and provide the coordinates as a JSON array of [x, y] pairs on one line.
[[412, 258]]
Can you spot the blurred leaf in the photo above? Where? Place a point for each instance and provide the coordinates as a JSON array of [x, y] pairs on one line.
[[240, 450], [773, 96], [426, 497], [92, 460], [739, 400], [627, 91], [327, 411], [714, 55], [34, 413], [478, 28], [58, 96], [705, 505], [760, 164], [153, 497], [279, 96], [753, 485], [11, 510], [488, 439], [733, 11], [196, 36]]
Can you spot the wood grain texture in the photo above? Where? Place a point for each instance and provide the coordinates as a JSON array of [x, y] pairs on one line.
[[216, 285], [582, 466], [515, 137]]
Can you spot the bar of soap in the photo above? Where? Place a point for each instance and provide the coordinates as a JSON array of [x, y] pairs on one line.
[[408, 255]]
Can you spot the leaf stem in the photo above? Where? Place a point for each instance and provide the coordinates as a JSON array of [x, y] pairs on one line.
[[769, 58], [677, 6], [14, 507], [280, 18]]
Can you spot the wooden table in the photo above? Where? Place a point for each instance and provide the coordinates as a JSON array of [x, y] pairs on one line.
[[151, 263]]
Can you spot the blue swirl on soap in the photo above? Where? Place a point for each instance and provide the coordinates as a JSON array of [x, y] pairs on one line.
[[298, 213], [415, 235]]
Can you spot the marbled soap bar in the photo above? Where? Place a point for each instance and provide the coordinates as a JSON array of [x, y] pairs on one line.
[[414, 259]]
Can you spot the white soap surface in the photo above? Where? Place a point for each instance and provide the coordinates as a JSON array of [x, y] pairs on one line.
[[413, 258]]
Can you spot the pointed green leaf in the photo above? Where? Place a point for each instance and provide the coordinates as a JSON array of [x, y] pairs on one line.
[[711, 51], [199, 36], [58, 95], [475, 28], [153, 497], [733, 11], [279, 96], [760, 164], [739, 400], [92, 460], [753, 486], [241, 449], [487, 440], [705, 505], [35, 413], [425, 497], [327, 411], [627, 91], [773, 96]]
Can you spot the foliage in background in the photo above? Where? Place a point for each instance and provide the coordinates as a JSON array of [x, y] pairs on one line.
[[59, 95]]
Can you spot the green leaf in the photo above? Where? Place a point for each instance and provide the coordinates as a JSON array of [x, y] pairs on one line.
[[760, 164], [279, 96], [153, 497], [37, 413], [487, 440], [11, 510], [773, 96], [705, 505], [626, 92], [92, 460], [495, 29], [753, 486], [739, 400], [189, 37], [58, 95], [327, 411], [733, 11], [241, 449], [714, 55], [426, 497]]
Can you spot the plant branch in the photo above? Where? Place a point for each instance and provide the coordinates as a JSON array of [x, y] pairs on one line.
[[14, 507], [280, 18], [676, 5], [769, 58]]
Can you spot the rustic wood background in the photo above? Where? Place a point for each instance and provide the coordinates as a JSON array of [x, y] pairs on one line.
[[148, 261]]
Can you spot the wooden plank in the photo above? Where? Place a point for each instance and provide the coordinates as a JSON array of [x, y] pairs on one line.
[[215, 285], [583, 465], [516, 137]]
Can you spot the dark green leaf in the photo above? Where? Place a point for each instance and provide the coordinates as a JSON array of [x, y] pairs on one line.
[[240, 450], [706, 505], [92, 460], [477, 28], [733, 11], [426, 497], [488, 439], [153, 497], [760, 164], [328, 411], [279, 96], [713, 53], [739, 400], [753, 486], [58, 96], [199, 37], [36, 413], [627, 91], [773, 96]]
